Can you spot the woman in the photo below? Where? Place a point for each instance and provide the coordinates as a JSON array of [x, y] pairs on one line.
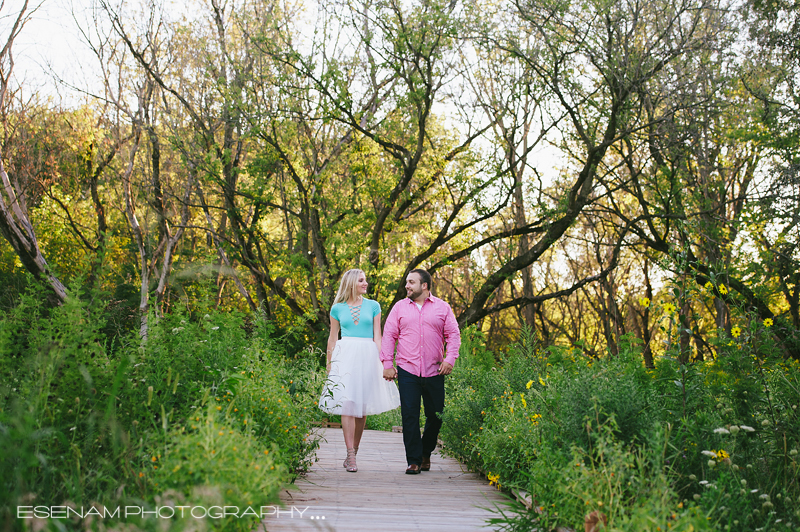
[[355, 386]]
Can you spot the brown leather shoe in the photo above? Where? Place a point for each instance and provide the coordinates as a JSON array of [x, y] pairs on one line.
[[426, 464], [412, 469]]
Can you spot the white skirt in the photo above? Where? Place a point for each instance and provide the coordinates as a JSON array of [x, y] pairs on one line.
[[355, 385]]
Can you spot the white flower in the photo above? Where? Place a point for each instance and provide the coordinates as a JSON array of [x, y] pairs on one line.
[[764, 496], [754, 491], [721, 430], [703, 482], [712, 454], [214, 328], [746, 428]]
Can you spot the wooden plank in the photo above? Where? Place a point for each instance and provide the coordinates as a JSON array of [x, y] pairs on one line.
[[380, 496], [326, 423]]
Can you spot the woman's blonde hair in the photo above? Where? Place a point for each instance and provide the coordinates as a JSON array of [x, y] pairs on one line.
[[347, 286]]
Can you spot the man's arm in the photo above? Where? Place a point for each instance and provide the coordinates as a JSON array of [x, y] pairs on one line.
[[452, 336], [391, 332]]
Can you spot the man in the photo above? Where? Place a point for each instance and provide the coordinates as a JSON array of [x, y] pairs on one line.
[[419, 326]]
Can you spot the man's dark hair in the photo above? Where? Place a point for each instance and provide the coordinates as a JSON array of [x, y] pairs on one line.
[[424, 277]]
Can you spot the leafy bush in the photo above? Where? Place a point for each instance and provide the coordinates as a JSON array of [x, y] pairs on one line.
[[385, 421], [709, 445], [630, 486], [211, 461], [600, 395], [81, 421], [470, 394]]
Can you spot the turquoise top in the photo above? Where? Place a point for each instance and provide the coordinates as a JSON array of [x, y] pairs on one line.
[[343, 313]]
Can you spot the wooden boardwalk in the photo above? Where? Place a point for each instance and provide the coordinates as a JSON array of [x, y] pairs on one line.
[[380, 496]]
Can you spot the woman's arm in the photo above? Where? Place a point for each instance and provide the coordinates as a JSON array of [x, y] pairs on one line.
[[333, 337], [376, 330]]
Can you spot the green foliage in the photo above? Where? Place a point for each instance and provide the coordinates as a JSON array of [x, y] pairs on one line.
[[702, 446], [608, 392], [631, 487], [187, 415], [212, 461], [473, 352], [387, 420]]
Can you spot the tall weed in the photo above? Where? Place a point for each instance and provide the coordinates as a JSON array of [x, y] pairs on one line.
[[710, 445], [85, 423]]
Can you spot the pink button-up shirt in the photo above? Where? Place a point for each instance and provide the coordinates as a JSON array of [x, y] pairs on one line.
[[420, 336]]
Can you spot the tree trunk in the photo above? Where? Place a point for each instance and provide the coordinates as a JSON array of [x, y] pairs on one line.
[[130, 212], [17, 229]]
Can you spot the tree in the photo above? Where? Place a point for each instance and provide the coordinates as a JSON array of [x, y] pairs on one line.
[[151, 193], [594, 58], [15, 223]]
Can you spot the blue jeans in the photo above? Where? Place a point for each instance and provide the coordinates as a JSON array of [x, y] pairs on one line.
[[430, 391]]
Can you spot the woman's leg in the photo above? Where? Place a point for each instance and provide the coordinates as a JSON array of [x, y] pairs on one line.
[[360, 423], [349, 429]]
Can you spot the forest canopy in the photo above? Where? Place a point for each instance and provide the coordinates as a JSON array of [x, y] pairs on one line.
[[590, 169]]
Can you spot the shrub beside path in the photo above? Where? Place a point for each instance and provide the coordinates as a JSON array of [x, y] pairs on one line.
[[380, 496]]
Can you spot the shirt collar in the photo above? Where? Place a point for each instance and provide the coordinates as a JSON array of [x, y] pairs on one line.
[[431, 298]]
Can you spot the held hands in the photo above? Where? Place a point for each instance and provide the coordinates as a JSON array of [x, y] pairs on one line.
[[445, 368]]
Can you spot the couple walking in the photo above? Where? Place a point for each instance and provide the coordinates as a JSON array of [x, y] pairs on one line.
[[361, 370]]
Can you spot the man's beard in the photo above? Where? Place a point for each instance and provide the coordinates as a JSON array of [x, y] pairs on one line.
[[414, 295]]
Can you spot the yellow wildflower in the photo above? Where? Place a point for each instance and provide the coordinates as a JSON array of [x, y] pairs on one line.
[[669, 308], [645, 302], [767, 322], [529, 384], [735, 332]]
